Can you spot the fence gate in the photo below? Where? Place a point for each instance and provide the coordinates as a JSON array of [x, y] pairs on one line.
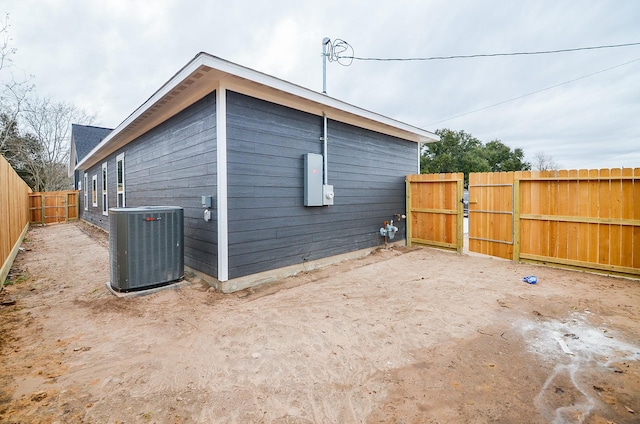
[[434, 210], [53, 206], [491, 214]]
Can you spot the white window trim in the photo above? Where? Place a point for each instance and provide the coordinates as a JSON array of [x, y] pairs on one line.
[[86, 192], [120, 158], [94, 192], [105, 197]]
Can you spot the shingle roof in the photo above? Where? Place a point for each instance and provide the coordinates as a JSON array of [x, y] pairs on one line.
[[86, 138]]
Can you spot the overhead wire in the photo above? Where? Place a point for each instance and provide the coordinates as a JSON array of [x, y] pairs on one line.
[[470, 56], [338, 46], [533, 92]]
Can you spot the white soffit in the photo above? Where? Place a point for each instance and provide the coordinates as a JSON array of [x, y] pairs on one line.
[[204, 74]]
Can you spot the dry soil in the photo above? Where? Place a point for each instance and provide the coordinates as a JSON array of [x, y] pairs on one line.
[[401, 336]]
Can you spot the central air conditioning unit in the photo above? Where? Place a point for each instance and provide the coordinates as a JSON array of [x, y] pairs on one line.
[[146, 247]]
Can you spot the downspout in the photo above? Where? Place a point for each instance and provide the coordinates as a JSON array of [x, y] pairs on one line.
[[325, 150]]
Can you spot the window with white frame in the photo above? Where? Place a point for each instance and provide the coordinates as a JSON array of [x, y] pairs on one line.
[[94, 191], [120, 181], [86, 193], [105, 206]]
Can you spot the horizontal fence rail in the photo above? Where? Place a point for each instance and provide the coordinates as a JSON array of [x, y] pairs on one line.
[[588, 219], [581, 218], [434, 210], [491, 214], [14, 215], [53, 207]]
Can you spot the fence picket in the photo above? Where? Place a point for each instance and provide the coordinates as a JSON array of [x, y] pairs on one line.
[[14, 215], [433, 214], [53, 207], [588, 219], [636, 216]]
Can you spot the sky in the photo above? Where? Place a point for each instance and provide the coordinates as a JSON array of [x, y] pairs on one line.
[[582, 109]]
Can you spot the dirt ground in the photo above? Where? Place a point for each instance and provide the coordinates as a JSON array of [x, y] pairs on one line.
[[401, 336]]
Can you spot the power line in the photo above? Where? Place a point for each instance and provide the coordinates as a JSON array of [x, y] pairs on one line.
[[533, 92], [407, 59]]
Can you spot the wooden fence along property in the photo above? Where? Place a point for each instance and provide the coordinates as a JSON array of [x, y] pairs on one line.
[[53, 206], [14, 215], [591, 220], [588, 219], [434, 210]]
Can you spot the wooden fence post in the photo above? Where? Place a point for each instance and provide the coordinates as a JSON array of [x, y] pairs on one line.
[[408, 209], [42, 208], [460, 218], [516, 216]]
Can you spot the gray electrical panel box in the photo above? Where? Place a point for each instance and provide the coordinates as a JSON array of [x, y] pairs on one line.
[[313, 190]]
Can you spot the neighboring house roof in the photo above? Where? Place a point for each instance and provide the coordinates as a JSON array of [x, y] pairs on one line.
[[84, 138], [206, 73]]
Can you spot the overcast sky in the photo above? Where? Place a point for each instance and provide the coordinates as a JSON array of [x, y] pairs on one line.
[[108, 57]]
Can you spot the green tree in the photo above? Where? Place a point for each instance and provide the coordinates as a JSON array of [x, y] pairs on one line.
[[501, 158], [458, 151]]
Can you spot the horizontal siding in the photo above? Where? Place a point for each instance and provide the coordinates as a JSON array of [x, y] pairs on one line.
[[174, 164], [269, 227], [93, 214]]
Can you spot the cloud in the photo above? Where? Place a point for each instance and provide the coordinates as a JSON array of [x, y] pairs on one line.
[[110, 57]]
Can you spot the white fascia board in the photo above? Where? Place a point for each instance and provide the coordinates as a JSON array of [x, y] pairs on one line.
[[72, 158], [164, 90], [313, 96], [235, 70]]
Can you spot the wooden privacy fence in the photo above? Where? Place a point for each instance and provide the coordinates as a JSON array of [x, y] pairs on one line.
[[491, 213], [14, 215], [588, 219], [53, 206], [435, 211]]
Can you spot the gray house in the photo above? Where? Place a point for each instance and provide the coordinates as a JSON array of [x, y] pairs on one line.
[[273, 178], [83, 139]]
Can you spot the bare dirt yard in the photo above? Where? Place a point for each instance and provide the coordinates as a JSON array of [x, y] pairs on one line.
[[401, 336]]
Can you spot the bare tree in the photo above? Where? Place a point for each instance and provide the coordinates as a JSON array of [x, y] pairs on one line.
[[49, 123], [544, 162], [34, 132], [13, 91]]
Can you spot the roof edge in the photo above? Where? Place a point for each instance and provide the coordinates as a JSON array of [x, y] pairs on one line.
[[236, 70]]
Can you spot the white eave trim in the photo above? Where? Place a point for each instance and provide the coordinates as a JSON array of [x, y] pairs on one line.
[[313, 96], [233, 70], [164, 90]]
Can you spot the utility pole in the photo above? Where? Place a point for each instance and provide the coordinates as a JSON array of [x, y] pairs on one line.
[[325, 41]]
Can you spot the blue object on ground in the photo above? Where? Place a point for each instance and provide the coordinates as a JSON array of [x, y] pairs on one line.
[[531, 279]]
